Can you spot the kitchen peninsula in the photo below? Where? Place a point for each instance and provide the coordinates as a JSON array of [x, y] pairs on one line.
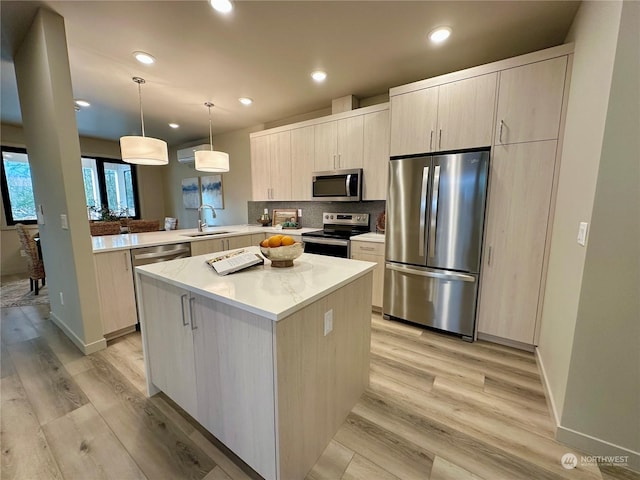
[[269, 360]]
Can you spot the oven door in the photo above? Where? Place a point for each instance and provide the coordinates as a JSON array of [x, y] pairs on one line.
[[332, 247]]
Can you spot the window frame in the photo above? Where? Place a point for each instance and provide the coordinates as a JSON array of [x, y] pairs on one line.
[[101, 180], [6, 200]]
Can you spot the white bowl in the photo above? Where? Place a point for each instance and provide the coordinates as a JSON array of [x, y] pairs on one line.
[[283, 256]]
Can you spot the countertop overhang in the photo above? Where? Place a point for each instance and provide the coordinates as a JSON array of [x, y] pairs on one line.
[[274, 293]]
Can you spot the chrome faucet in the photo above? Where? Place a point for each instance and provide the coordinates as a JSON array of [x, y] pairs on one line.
[[202, 223]]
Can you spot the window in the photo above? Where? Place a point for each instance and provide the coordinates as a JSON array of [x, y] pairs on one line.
[[110, 184], [17, 191], [107, 183]]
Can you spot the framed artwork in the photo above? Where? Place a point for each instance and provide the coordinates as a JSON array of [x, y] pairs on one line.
[[284, 215], [190, 192], [211, 188]]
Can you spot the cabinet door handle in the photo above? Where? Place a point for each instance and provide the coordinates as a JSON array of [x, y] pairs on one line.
[[183, 297], [431, 141], [440, 140], [126, 262], [192, 316], [366, 248], [339, 160], [334, 161], [501, 125], [489, 256]]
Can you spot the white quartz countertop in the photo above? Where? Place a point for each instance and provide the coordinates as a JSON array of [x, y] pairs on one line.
[[369, 237], [274, 293], [108, 243]]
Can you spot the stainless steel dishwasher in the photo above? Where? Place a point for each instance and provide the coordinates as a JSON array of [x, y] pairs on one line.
[[160, 253]]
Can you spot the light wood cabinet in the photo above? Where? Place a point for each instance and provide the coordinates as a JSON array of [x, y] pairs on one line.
[[521, 178], [114, 278], [270, 157], [213, 245], [376, 155], [372, 252], [302, 162], [530, 102], [451, 116], [339, 144], [169, 340], [465, 113]]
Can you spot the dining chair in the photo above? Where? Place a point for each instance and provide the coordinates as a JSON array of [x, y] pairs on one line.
[[35, 266], [139, 226], [104, 228]]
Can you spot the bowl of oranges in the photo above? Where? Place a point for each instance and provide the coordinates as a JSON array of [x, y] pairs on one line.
[[282, 250]]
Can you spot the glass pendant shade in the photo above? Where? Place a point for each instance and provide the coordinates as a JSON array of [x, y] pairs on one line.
[[144, 150], [212, 161]]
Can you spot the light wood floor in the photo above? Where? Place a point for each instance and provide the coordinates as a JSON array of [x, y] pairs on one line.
[[437, 408]]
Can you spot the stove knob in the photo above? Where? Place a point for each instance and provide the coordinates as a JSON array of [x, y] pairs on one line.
[[326, 217], [358, 218], [331, 217]]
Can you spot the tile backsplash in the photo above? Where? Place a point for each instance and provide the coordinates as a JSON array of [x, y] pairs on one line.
[[312, 211]]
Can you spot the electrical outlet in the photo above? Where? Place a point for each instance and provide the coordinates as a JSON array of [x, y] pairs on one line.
[[328, 322], [61, 299], [64, 222], [23, 253], [582, 233], [299, 212]]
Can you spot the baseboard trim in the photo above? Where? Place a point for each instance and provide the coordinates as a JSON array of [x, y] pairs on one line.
[[597, 446], [548, 394], [86, 348], [506, 342]]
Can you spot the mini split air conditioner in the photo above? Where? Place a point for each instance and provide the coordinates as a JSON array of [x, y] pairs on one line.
[[188, 155]]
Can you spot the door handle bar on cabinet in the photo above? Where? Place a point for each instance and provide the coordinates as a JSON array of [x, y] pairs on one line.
[[489, 256], [501, 126], [425, 272], [192, 316], [440, 140], [423, 210], [434, 211], [431, 141], [126, 262], [183, 297]]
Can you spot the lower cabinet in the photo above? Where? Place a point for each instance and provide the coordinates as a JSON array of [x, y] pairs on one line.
[[212, 245], [371, 252], [114, 279]]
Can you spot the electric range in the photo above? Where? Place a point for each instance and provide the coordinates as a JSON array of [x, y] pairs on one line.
[[333, 239]]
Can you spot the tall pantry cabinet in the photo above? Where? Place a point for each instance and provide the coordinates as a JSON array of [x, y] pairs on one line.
[[516, 107], [519, 207]]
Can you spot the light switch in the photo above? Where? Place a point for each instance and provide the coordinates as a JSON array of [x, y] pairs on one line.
[[582, 233], [64, 222]]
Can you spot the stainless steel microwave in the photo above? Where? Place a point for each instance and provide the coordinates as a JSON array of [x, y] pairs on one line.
[[338, 185]]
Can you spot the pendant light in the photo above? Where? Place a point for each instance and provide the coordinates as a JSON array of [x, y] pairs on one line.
[[211, 160], [143, 150]]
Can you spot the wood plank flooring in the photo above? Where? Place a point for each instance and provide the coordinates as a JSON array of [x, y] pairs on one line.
[[437, 408]]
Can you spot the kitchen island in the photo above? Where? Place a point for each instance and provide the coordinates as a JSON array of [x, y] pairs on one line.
[[269, 360]]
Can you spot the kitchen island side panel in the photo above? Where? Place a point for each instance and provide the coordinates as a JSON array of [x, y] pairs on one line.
[[320, 377]]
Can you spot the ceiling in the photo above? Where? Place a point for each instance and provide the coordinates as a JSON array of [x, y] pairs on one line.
[[264, 50]]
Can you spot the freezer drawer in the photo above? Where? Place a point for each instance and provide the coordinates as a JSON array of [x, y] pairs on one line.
[[434, 298]]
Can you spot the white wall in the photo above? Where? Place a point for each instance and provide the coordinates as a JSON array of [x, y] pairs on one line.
[[590, 337], [236, 184], [603, 389], [594, 31]]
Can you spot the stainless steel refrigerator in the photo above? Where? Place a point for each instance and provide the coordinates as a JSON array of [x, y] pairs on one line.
[[435, 219]]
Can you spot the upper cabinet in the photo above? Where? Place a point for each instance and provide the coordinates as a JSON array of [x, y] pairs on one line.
[[302, 162], [376, 155], [451, 116], [530, 102], [339, 144], [270, 157]]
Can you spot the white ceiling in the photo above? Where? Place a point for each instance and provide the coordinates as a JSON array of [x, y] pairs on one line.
[[264, 50]]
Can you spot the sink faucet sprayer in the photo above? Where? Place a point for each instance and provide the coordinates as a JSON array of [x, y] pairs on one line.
[[202, 223]]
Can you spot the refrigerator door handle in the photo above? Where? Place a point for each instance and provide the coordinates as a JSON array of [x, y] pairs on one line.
[[425, 272], [434, 211], [423, 211]]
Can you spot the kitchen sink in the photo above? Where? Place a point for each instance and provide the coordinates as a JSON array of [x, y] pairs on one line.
[[203, 234]]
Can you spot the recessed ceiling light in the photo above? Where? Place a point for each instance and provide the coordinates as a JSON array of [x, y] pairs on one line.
[[319, 76], [440, 34], [222, 6], [81, 103], [145, 58], [245, 100], [174, 125]]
